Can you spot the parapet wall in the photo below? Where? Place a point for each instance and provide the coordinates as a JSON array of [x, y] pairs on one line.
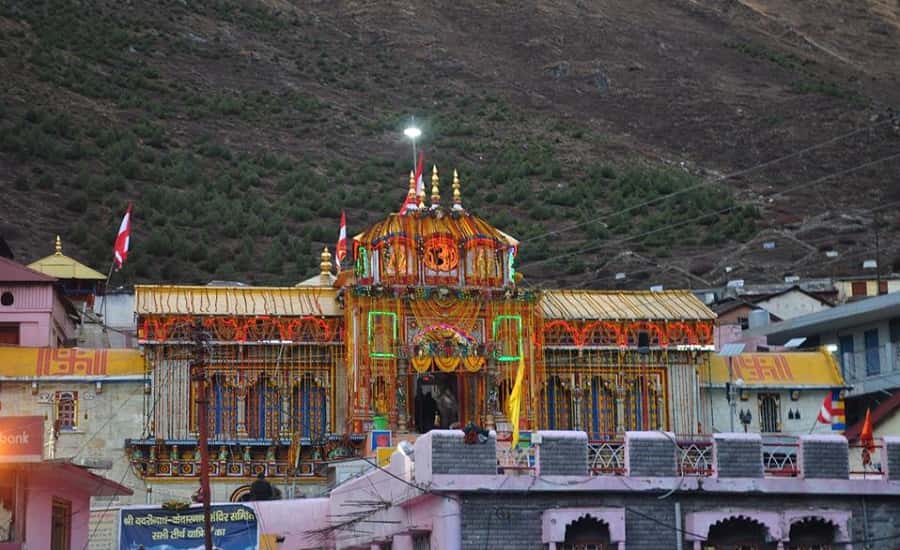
[[646, 454]]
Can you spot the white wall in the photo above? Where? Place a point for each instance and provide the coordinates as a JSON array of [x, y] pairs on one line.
[[792, 304], [808, 404]]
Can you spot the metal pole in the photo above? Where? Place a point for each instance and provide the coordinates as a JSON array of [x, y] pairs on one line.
[[198, 374], [731, 393]]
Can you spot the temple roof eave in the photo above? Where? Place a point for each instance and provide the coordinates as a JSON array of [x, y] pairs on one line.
[[236, 300]]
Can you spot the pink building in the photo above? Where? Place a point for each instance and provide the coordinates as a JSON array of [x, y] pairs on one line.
[[44, 504], [648, 491], [33, 312]]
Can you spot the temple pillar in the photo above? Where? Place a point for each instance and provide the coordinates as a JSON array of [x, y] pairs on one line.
[[285, 424], [241, 413], [620, 409]]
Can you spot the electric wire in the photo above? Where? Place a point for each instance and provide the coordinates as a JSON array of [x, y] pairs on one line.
[[713, 180]]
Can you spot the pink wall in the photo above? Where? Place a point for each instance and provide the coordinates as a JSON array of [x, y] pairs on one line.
[[41, 315], [40, 491]]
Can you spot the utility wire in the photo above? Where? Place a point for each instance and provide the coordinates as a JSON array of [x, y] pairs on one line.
[[606, 244], [711, 181]]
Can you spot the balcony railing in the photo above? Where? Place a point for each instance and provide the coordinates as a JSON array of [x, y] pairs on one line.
[[695, 456], [780, 454], [878, 361], [866, 462], [606, 458]]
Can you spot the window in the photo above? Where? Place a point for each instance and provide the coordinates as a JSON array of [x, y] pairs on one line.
[[873, 361], [858, 288], [66, 410], [422, 541], [845, 348], [61, 525], [586, 533], [9, 334], [769, 412], [6, 299], [811, 534], [744, 322], [737, 534]]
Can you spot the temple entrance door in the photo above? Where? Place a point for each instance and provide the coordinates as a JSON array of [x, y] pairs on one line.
[[437, 401], [458, 399]]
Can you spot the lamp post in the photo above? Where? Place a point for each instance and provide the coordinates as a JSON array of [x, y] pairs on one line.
[[413, 133]]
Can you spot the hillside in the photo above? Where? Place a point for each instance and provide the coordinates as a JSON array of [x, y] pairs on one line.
[[241, 128]]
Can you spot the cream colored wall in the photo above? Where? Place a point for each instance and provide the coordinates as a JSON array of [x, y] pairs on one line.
[[106, 417], [809, 403], [792, 304]]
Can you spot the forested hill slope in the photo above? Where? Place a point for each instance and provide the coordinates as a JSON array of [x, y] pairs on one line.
[[241, 128]]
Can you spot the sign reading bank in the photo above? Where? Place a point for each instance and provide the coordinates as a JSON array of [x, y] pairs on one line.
[[21, 438]]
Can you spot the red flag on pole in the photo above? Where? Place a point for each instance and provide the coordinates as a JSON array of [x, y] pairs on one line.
[[123, 240], [410, 202], [340, 251]]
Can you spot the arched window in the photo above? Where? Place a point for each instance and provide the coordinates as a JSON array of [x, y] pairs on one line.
[[738, 534], [587, 533], [812, 534]]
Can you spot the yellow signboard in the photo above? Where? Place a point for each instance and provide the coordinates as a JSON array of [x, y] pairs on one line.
[[810, 368], [18, 362]]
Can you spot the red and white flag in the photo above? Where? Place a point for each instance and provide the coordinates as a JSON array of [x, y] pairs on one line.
[[340, 251], [410, 202], [123, 240]]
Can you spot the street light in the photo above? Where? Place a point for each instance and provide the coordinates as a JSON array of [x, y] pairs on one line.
[[413, 133]]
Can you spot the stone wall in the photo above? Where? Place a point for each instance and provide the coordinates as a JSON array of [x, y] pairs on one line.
[[651, 454], [514, 520], [563, 453], [738, 455], [824, 457]]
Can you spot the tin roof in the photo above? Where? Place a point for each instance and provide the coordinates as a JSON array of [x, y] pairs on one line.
[[624, 305], [767, 370], [234, 300], [63, 267]]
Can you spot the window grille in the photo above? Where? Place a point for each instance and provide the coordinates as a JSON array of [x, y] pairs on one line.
[[66, 410], [769, 412]]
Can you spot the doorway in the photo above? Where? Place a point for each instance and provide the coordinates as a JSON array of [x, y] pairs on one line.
[[437, 401], [61, 525]]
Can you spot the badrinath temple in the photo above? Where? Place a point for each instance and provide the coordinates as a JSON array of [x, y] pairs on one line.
[[427, 327]]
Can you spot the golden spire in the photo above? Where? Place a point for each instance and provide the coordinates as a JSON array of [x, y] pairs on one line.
[[58, 246], [325, 265], [411, 194], [457, 196], [435, 191]]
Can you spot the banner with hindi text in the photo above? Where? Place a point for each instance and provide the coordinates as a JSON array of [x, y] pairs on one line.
[[234, 527]]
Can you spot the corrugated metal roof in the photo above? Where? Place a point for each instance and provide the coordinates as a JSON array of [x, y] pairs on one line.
[[623, 305], [766, 370], [64, 267], [234, 300]]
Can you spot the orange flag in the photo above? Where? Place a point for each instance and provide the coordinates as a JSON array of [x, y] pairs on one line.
[[867, 438]]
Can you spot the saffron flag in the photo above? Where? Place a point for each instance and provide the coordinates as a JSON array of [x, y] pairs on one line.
[[514, 403], [832, 411], [123, 240], [340, 251], [867, 438], [410, 202]]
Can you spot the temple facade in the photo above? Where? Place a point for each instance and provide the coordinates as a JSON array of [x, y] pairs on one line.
[[426, 326]]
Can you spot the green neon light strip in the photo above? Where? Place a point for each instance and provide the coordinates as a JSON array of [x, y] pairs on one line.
[[371, 323], [495, 331]]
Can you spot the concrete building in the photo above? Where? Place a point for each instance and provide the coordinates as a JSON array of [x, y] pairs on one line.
[[43, 503], [670, 493], [33, 310], [770, 393]]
